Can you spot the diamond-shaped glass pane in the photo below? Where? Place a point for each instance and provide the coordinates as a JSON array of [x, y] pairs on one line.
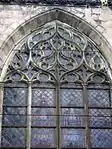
[[71, 97], [98, 98], [101, 138], [43, 97], [100, 118], [15, 96], [43, 138], [43, 117], [73, 138], [14, 116], [13, 137], [72, 117]]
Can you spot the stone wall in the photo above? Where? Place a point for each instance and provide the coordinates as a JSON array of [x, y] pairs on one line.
[[11, 16]]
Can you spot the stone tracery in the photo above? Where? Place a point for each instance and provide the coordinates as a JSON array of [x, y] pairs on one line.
[[57, 62]]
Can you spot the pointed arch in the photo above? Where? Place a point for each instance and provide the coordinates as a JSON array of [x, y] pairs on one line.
[[36, 22], [56, 75]]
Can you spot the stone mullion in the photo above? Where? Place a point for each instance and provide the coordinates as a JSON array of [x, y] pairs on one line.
[[57, 108], [58, 115], [86, 118], [57, 99], [1, 109], [28, 139]]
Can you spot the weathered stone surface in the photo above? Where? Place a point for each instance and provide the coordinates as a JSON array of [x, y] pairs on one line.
[[16, 16]]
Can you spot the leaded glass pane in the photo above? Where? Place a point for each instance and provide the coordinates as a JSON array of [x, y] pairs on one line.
[[14, 116], [98, 98], [43, 97], [43, 117], [56, 54], [72, 117], [100, 118], [73, 138], [101, 138], [15, 96], [111, 96], [13, 137], [43, 138], [71, 97]]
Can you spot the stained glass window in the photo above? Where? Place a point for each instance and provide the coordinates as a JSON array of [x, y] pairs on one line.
[[73, 138], [70, 97], [72, 117], [98, 98], [43, 138], [56, 93], [101, 138], [14, 117], [13, 137]]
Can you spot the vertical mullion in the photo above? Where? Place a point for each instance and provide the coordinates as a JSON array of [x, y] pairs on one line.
[[57, 97], [1, 110], [110, 100], [28, 140], [110, 95], [85, 98], [58, 115]]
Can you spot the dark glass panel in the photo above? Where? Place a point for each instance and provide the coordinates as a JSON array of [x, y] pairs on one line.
[[43, 117], [111, 97], [43, 97], [43, 138], [98, 98], [15, 96], [13, 137], [71, 97], [72, 117], [100, 118], [14, 116], [73, 138], [101, 138]]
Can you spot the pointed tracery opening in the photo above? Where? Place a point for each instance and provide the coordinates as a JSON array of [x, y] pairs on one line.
[[57, 93]]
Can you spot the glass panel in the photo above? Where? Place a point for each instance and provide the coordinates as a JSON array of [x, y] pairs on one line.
[[43, 97], [13, 137], [111, 96], [43, 138], [98, 98], [71, 97], [72, 117], [43, 117], [15, 96], [100, 118], [101, 138], [73, 138], [14, 116]]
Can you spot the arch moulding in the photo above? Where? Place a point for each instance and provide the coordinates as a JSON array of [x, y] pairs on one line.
[[38, 21]]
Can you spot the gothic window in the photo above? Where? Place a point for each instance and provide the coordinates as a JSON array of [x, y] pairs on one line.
[[57, 93]]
